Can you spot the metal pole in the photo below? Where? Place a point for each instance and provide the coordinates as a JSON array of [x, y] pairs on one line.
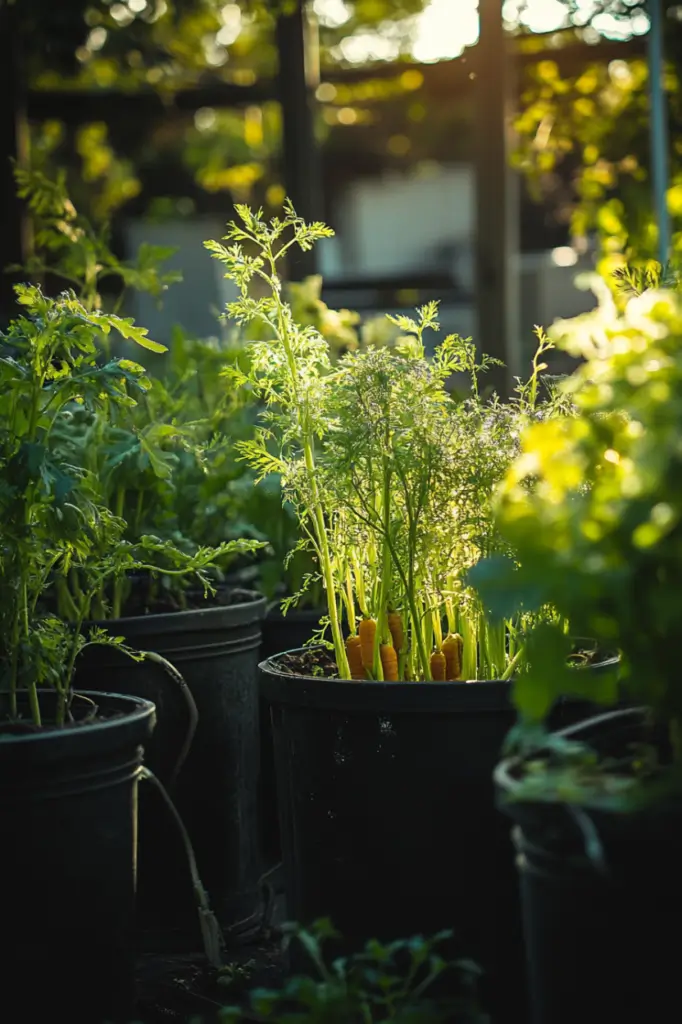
[[659, 129]]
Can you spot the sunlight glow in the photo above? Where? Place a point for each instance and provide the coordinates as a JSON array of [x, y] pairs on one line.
[[537, 15], [441, 34], [332, 12], [445, 28], [564, 256]]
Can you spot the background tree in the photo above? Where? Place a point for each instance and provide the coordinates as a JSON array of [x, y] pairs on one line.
[[584, 144]]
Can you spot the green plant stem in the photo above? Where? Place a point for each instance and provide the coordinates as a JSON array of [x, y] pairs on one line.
[[117, 596], [512, 663], [427, 632], [450, 610], [467, 629], [86, 601], [382, 614], [14, 668], [34, 703], [350, 603], [417, 626], [66, 607], [493, 654], [138, 512], [408, 580], [311, 473], [210, 930], [327, 571]]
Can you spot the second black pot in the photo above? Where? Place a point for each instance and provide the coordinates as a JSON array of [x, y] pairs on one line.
[[387, 815], [600, 932], [216, 649]]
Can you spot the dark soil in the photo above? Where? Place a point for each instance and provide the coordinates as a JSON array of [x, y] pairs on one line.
[[311, 661], [82, 712], [584, 657], [320, 661]]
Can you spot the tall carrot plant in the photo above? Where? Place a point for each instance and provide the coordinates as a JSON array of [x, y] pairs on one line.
[[391, 476]]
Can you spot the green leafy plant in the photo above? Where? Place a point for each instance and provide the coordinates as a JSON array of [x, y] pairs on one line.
[[143, 467], [384, 983], [390, 477], [140, 465], [593, 508], [52, 520], [214, 496], [67, 246], [289, 370]]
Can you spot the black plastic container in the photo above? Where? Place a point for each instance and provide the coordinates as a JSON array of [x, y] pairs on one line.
[[280, 633], [68, 806], [388, 817], [216, 650], [601, 934]]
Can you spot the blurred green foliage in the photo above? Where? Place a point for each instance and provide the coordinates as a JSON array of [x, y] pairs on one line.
[[584, 145], [386, 982]]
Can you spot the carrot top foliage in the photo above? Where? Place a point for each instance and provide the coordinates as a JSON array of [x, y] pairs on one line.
[[391, 476]]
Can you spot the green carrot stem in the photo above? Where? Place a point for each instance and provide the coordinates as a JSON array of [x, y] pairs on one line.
[[382, 613], [511, 665]]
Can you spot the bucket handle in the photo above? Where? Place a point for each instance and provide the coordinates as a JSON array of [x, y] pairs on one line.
[[178, 678], [210, 929], [594, 848]]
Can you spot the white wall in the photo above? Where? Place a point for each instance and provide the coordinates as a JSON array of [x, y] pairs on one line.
[[195, 303], [392, 225]]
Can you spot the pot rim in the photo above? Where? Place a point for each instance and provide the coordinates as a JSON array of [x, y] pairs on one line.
[[140, 710], [507, 771], [176, 620], [379, 696]]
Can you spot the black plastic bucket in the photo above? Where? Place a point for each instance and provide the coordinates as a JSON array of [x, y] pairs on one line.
[[280, 633], [601, 935], [216, 650], [68, 806], [388, 817], [387, 814]]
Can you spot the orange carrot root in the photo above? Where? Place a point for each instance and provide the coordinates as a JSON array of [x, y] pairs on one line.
[[395, 625], [367, 632], [389, 663], [452, 648], [354, 652], [437, 664]]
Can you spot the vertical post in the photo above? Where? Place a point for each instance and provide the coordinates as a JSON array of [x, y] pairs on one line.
[[297, 82], [659, 129], [497, 200], [13, 146]]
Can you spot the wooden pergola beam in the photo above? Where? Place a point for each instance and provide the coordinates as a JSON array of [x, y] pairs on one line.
[[74, 107], [13, 146], [301, 159], [496, 240]]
